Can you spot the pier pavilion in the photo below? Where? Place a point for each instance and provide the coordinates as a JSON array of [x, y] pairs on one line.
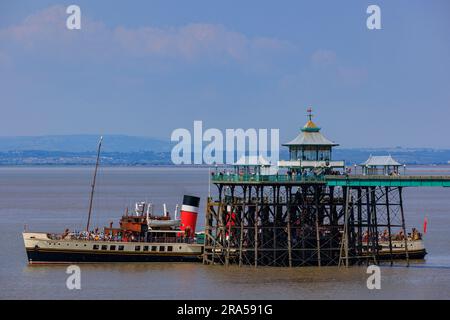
[[385, 165], [310, 149], [315, 219]]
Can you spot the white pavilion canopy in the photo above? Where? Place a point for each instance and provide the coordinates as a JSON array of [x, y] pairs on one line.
[[256, 165], [380, 165]]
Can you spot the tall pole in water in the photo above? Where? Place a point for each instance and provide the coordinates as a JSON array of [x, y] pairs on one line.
[[93, 184]]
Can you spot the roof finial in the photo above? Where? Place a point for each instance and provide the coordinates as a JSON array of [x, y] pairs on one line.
[[310, 115]]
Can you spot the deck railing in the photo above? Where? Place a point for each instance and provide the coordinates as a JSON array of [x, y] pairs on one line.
[[266, 178], [188, 240], [351, 179], [389, 181]]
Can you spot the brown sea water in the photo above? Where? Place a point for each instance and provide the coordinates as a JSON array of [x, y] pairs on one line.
[[51, 199]]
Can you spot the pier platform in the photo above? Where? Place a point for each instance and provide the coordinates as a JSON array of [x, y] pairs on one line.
[[388, 181], [300, 220], [337, 180]]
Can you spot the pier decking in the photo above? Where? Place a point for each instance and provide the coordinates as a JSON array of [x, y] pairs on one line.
[[338, 180], [388, 181]]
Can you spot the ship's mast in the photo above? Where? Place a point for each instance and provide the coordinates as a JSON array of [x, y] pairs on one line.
[[93, 184]]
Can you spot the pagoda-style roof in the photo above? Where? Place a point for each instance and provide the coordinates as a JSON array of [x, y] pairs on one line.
[[310, 136], [310, 127], [379, 161]]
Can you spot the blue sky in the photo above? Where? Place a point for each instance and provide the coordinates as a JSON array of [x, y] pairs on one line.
[[149, 67]]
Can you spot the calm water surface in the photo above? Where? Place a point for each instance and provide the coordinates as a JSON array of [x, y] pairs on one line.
[[51, 199]]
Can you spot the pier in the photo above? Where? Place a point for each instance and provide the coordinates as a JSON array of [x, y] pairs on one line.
[[314, 213]]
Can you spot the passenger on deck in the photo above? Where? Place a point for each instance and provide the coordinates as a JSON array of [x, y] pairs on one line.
[[416, 234], [400, 235], [365, 236], [289, 174], [65, 234], [385, 235]]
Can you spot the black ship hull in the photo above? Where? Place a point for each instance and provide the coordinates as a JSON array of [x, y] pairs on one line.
[[38, 256], [415, 255]]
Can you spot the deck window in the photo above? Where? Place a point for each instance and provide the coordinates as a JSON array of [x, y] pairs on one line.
[[112, 247], [137, 248], [120, 248], [95, 247], [154, 248], [104, 247], [145, 248], [162, 248], [169, 248]]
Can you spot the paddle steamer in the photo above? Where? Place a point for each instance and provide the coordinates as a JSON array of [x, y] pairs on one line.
[[140, 237]]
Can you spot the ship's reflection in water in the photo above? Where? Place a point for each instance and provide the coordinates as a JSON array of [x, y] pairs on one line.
[[55, 198]]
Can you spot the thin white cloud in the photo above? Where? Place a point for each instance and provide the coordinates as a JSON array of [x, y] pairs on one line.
[[189, 41], [347, 75], [46, 29]]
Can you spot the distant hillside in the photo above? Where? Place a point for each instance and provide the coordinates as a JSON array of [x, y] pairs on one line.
[[83, 143], [62, 158], [402, 155], [129, 151]]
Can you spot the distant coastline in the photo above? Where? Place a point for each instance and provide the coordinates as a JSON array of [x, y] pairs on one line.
[[150, 158], [126, 151]]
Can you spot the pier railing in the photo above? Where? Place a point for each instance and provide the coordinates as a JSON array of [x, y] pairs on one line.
[[338, 180], [266, 178], [388, 181]]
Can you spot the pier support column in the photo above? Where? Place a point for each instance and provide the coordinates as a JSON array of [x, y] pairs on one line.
[[316, 211], [373, 196], [400, 194], [241, 233], [257, 208], [388, 214], [289, 235], [343, 256]]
